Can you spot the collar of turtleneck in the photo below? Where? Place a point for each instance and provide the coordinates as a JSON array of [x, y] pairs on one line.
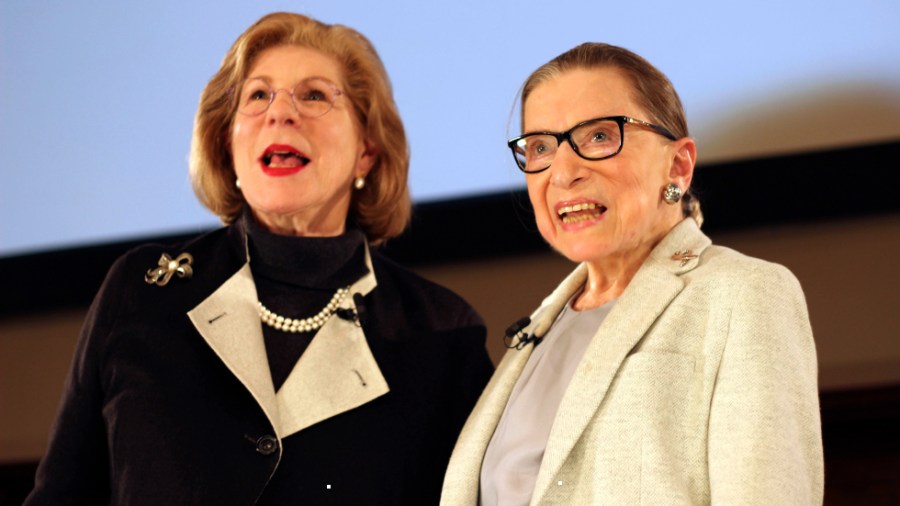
[[307, 262]]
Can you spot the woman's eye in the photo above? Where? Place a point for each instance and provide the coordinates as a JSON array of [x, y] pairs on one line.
[[539, 148], [256, 93], [314, 95], [599, 136]]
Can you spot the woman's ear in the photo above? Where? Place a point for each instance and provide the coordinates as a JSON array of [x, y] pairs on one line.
[[367, 158], [683, 162]]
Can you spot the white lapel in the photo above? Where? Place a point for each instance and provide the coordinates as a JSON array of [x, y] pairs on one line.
[[651, 290], [229, 322], [336, 373]]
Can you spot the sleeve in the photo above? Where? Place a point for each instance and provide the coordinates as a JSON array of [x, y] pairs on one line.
[[75, 468], [469, 371], [475, 369], [765, 441], [472, 364]]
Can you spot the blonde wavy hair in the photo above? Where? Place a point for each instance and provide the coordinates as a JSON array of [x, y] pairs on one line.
[[382, 209]]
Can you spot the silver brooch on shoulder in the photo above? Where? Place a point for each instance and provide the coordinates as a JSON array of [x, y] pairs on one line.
[[168, 266]]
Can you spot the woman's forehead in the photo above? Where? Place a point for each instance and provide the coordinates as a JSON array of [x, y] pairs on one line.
[[577, 95], [294, 61]]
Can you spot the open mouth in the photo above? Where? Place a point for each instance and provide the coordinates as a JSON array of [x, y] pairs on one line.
[[283, 159], [577, 213]]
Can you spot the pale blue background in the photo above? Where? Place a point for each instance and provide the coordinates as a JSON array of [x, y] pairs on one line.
[[97, 98]]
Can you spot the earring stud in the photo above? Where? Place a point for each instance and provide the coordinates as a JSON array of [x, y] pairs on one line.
[[672, 193], [359, 183]]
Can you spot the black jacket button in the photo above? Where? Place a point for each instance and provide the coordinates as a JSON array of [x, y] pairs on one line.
[[267, 445]]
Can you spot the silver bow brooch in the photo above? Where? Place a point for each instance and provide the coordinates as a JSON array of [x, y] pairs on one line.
[[180, 265]]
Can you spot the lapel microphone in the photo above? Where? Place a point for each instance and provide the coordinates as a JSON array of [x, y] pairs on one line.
[[357, 315], [361, 313], [516, 330]]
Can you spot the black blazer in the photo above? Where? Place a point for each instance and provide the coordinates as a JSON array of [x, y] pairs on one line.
[[159, 409]]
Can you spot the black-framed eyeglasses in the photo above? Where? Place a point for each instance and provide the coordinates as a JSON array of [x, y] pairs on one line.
[[594, 139], [312, 97]]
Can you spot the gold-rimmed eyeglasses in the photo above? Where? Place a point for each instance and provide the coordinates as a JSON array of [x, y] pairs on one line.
[[312, 97]]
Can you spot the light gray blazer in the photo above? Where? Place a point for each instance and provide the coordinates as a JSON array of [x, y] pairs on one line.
[[699, 387]]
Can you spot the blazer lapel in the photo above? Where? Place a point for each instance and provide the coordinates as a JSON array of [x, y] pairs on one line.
[[652, 289], [461, 485], [336, 373], [229, 322]]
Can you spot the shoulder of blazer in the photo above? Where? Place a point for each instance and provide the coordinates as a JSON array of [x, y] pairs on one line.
[[214, 257], [438, 305], [724, 265]]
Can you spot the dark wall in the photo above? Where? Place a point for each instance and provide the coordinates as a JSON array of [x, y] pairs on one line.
[[816, 186]]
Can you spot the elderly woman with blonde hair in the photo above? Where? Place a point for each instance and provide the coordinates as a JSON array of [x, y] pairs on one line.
[[280, 359]]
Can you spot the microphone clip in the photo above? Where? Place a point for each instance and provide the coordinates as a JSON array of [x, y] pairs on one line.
[[516, 337], [349, 314], [355, 314]]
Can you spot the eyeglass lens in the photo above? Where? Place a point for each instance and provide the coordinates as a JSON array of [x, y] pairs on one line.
[[597, 139], [311, 97]]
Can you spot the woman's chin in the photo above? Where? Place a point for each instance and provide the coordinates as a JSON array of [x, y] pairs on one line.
[[583, 251]]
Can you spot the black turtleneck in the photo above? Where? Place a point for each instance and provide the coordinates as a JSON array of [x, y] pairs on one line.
[[295, 277]]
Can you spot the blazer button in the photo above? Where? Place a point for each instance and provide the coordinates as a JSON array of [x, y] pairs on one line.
[[266, 445]]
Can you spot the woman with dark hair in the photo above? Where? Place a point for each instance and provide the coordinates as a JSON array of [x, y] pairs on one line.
[[279, 359], [664, 369]]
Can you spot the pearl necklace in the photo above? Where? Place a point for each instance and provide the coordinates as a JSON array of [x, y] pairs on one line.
[[310, 324]]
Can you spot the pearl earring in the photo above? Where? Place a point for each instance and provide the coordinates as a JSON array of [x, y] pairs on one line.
[[359, 183], [672, 193], [237, 182]]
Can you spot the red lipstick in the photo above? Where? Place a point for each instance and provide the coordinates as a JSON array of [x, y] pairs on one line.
[[282, 160]]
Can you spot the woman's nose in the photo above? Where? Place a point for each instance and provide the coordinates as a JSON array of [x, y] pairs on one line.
[[282, 109], [567, 168]]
